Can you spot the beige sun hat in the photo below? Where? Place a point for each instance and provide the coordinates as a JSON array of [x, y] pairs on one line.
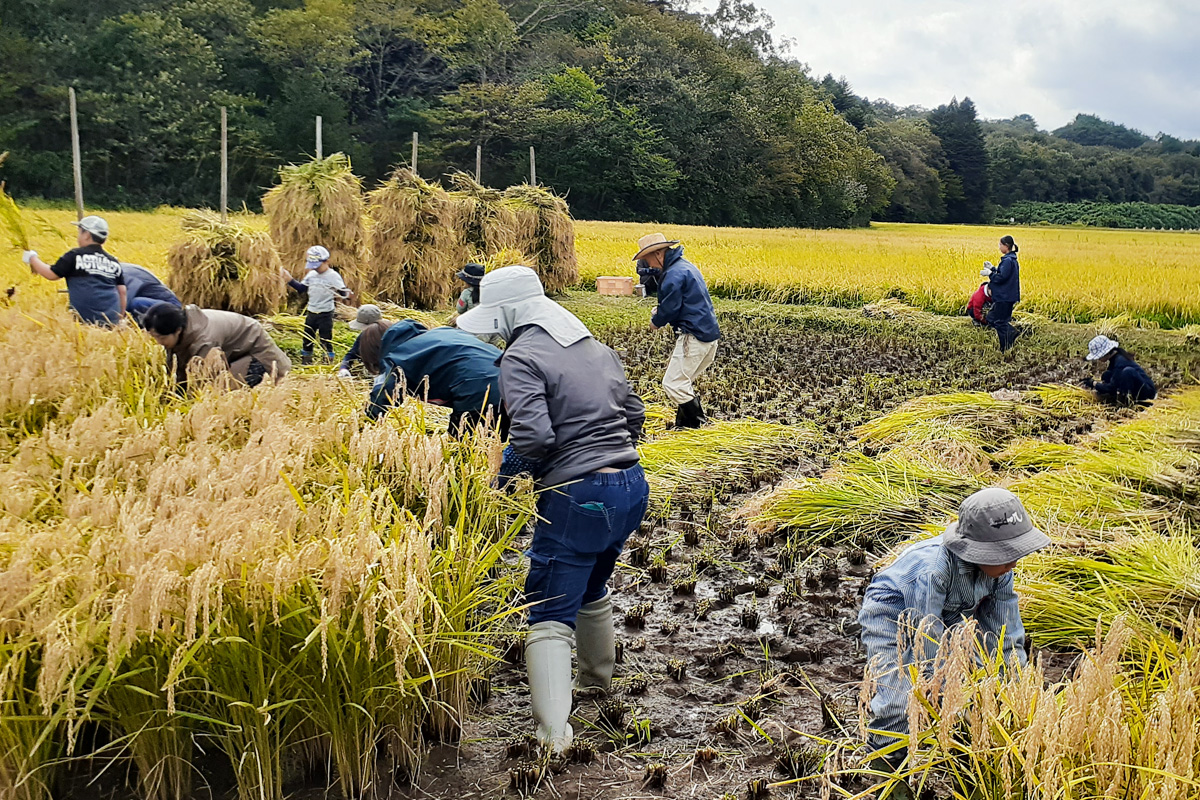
[[652, 242]]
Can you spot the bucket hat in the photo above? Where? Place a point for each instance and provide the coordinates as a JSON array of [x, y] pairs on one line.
[[1100, 347], [316, 256], [993, 528], [652, 242], [470, 274], [96, 226], [513, 297], [367, 316]]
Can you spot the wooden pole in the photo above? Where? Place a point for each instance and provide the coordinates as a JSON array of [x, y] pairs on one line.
[[224, 166], [532, 168], [479, 163], [414, 156], [320, 147], [75, 157]]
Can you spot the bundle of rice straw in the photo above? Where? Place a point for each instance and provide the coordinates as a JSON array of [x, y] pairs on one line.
[[487, 224], [545, 233], [415, 245], [226, 266], [320, 202]]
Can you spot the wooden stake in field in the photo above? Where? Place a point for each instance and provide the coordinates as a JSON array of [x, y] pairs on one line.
[[224, 166], [478, 163], [75, 157], [414, 154], [532, 167], [320, 148]]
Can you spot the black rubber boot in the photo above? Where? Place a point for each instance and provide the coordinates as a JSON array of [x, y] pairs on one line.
[[688, 415], [701, 417]]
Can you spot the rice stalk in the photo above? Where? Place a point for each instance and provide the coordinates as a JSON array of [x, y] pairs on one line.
[[320, 202], [545, 233], [225, 266]]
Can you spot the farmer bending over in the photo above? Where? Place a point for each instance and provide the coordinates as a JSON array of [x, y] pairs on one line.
[[368, 314], [575, 426], [323, 285], [1123, 380], [246, 352], [143, 291], [684, 304], [964, 573], [443, 366], [95, 283]]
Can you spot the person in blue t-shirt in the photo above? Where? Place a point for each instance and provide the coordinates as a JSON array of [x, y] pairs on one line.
[[95, 281], [143, 290]]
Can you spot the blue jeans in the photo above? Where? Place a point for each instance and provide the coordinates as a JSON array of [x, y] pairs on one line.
[[582, 530]]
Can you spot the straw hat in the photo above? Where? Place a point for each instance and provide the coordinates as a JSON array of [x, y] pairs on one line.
[[993, 528], [651, 243]]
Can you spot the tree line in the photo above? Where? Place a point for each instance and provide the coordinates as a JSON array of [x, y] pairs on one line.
[[638, 109]]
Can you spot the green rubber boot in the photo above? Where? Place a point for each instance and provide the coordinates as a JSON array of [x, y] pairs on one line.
[[548, 662]]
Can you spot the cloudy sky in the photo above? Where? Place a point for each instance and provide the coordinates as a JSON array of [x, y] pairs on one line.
[[1136, 62]]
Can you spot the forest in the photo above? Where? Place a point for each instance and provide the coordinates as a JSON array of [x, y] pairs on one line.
[[638, 110]]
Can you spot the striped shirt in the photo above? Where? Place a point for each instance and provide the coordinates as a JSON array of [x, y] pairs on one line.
[[929, 583]]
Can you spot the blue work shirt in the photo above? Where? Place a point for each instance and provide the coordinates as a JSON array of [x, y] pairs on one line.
[[683, 301], [141, 282], [447, 366], [929, 583]]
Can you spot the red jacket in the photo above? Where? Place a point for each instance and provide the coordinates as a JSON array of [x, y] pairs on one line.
[[977, 302]]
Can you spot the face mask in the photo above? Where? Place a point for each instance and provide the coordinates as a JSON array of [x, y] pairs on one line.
[[379, 379]]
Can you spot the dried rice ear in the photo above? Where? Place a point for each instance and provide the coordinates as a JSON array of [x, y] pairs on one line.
[[225, 265], [320, 202]]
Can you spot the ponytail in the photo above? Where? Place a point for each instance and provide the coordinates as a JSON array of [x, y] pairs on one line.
[[1008, 241]]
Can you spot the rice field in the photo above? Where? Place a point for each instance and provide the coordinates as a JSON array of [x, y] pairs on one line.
[[1068, 274], [260, 595]]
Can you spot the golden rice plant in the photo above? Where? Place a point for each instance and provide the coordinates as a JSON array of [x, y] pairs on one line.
[[416, 246], [862, 500], [1109, 727], [260, 570], [545, 233], [320, 202], [488, 225], [724, 457], [225, 265]]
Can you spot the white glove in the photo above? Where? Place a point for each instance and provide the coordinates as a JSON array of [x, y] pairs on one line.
[[344, 373], [985, 272], [28, 256], [988, 265]]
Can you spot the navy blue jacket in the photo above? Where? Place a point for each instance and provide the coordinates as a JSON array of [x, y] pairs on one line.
[[456, 368], [141, 282], [1124, 380], [1006, 280], [683, 301]]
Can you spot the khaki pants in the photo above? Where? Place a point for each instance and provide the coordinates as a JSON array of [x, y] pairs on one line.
[[689, 360]]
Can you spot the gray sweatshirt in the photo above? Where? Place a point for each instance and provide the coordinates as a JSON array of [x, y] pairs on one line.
[[571, 407]]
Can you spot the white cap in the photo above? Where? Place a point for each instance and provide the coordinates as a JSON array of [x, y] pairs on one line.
[[1100, 347], [316, 256], [96, 226]]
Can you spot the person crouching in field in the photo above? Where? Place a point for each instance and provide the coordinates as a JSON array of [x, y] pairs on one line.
[[979, 304], [684, 304], [95, 282], [1005, 284], [966, 573], [444, 366], [367, 315], [323, 285], [1123, 381], [575, 427], [143, 291], [244, 349]]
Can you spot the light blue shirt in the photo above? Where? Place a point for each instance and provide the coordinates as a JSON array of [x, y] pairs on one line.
[[929, 581]]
